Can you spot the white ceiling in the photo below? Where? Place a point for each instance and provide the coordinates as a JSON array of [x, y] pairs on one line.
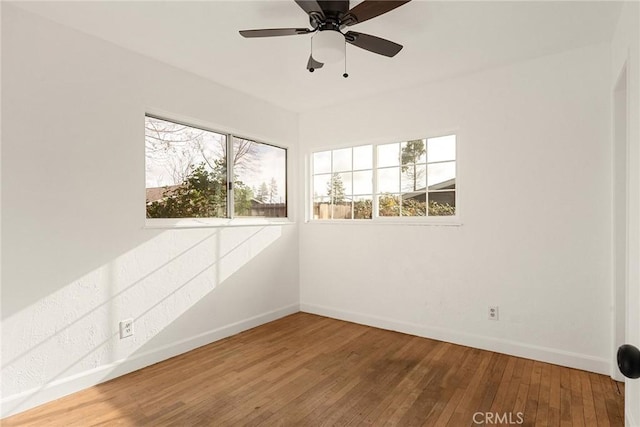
[[441, 40]]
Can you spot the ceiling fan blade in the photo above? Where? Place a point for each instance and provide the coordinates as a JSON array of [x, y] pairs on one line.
[[313, 64], [274, 32], [310, 6], [373, 44], [370, 9]]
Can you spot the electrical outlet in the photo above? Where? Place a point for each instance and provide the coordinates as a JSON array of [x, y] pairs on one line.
[[126, 328], [493, 312]]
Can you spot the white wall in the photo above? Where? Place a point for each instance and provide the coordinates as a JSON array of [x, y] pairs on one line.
[[535, 199], [76, 258], [626, 50], [534, 168]]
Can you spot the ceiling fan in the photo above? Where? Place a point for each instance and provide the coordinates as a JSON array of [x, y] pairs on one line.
[[328, 19]]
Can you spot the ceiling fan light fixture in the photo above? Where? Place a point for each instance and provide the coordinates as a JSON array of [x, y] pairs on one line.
[[328, 46]]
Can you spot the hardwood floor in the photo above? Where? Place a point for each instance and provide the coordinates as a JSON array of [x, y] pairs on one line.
[[310, 370]]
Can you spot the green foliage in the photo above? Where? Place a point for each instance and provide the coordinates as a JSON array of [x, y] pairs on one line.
[[441, 209], [410, 155], [388, 205], [362, 209], [262, 194], [412, 152], [335, 189], [413, 207], [202, 194], [242, 199], [392, 206], [267, 193], [273, 190]]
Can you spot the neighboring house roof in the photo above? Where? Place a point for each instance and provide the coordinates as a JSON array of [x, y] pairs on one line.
[[255, 202], [158, 193], [449, 184]]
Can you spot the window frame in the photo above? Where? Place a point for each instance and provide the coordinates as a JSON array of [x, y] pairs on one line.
[[352, 170], [445, 220], [231, 219]]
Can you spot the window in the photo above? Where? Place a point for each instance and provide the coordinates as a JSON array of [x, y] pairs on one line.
[[414, 178], [197, 173], [343, 183], [260, 179]]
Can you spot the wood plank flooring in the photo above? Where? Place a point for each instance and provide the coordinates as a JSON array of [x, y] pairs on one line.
[[307, 370]]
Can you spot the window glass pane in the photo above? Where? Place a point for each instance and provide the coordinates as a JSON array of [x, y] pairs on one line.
[[389, 205], [414, 178], [343, 210], [338, 189], [363, 207], [322, 162], [414, 151], [442, 148], [321, 185], [449, 184], [347, 183], [260, 184], [388, 155], [441, 175], [363, 157], [414, 204], [321, 208], [442, 203], [363, 182], [185, 171], [342, 160], [389, 180]]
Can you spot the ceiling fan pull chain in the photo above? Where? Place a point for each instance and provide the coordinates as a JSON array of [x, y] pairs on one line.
[[345, 75], [311, 69]]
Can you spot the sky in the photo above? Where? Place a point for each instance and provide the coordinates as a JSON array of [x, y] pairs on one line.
[[271, 164], [171, 148], [436, 166]]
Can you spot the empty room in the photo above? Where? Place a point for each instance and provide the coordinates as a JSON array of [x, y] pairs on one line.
[[301, 212]]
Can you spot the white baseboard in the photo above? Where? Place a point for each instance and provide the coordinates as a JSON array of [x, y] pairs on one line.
[[629, 421], [514, 348], [20, 402], [28, 399]]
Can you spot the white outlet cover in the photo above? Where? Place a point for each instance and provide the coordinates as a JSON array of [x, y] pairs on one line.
[[126, 328], [493, 312]]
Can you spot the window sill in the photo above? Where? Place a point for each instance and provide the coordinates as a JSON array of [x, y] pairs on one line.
[[377, 222], [214, 222]]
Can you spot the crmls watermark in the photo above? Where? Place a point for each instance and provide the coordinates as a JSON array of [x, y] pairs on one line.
[[498, 418]]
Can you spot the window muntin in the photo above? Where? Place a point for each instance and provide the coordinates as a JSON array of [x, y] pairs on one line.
[[415, 178], [441, 175], [188, 170], [342, 183]]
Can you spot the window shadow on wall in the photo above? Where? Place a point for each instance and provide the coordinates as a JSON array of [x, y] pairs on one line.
[[157, 288]]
